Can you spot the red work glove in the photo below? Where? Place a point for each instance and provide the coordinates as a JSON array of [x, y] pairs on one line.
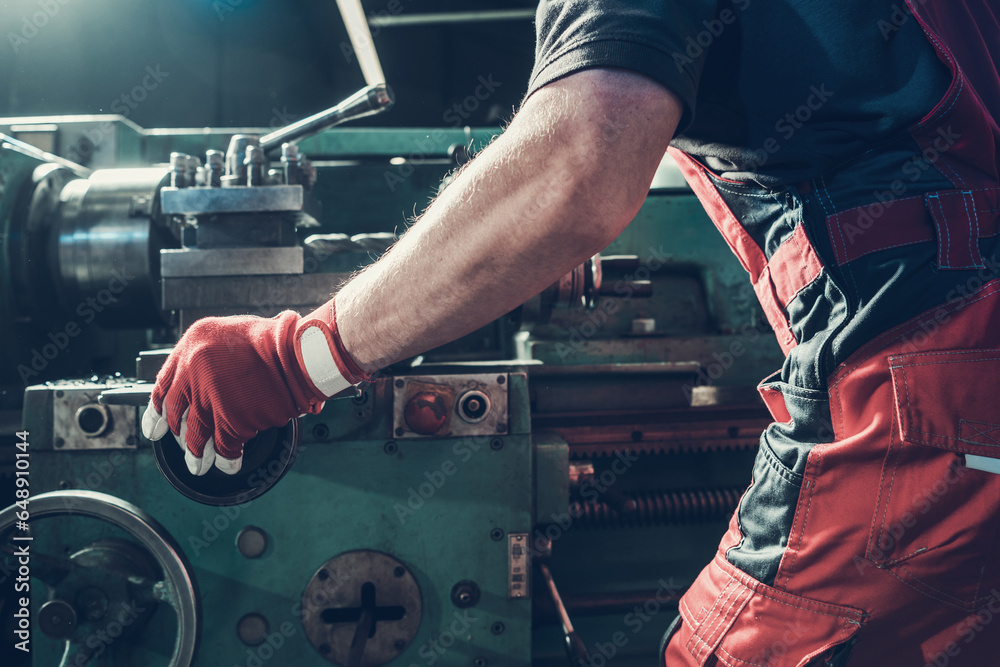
[[230, 377]]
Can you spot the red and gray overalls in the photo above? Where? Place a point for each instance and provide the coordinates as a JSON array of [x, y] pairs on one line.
[[870, 534]]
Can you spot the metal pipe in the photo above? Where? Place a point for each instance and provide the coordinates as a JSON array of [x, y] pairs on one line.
[[367, 101], [361, 40], [451, 17], [575, 647], [604, 604], [9, 142]]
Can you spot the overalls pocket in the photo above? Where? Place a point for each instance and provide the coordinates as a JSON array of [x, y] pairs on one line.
[[946, 406]]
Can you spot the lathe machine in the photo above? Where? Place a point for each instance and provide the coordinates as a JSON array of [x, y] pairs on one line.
[[549, 483]]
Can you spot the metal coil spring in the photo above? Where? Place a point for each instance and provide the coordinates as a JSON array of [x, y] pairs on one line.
[[659, 508]]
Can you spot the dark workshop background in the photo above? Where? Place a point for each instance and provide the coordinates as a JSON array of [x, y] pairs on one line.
[[251, 63]]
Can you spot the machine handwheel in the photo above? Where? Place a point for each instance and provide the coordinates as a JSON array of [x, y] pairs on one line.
[[177, 588]]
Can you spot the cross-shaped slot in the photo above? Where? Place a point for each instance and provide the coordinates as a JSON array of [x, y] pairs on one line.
[[354, 614]]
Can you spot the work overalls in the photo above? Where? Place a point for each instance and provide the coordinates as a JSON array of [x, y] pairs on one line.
[[869, 533]]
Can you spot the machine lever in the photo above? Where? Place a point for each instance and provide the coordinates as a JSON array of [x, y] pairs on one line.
[[357, 650], [138, 395], [9, 142], [367, 101], [576, 650]]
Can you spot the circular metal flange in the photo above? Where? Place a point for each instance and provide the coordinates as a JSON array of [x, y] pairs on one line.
[[337, 594], [177, 589], [266, 459]]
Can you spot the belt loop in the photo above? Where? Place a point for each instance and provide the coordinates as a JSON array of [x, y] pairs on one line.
[[956, 224]]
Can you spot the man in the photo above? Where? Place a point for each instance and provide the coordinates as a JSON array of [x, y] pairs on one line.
[[848, 153]]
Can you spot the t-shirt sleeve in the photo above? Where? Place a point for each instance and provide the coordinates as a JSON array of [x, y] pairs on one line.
[[662, 39]]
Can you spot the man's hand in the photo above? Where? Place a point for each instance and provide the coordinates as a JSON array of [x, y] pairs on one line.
[[561, 183], [229, 378]]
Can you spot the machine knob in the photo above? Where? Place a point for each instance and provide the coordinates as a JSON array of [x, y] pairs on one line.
[[57, 619], [425, 413]]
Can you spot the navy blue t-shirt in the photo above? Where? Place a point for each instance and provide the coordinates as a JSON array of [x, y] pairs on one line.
[[774, 91]]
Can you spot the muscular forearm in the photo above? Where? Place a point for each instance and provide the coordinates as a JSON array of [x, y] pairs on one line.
[[559, 185]]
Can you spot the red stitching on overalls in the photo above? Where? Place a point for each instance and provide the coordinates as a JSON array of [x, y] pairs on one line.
[[737, 660], [725, 616], [806, 486], [696, 631], [973, 219], [728, 593]]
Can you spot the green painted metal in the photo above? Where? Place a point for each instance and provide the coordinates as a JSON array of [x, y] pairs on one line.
[[347, 490], [552, 473], [339, 143]]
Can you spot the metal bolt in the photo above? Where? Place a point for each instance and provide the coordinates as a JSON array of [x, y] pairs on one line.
[[496, 444], [465, 594], [498, 628], [501, 427], [252, 542], [542, 547], [215, 163], [501, 379], [254, 163], [321, 431], [399, 431], [399, 571], [497, 534], [399, 384], [57, 619], [178, 170], [323, 575], [480, 662], [59, 442], [252, 629], [390, 447], [399, 644]]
